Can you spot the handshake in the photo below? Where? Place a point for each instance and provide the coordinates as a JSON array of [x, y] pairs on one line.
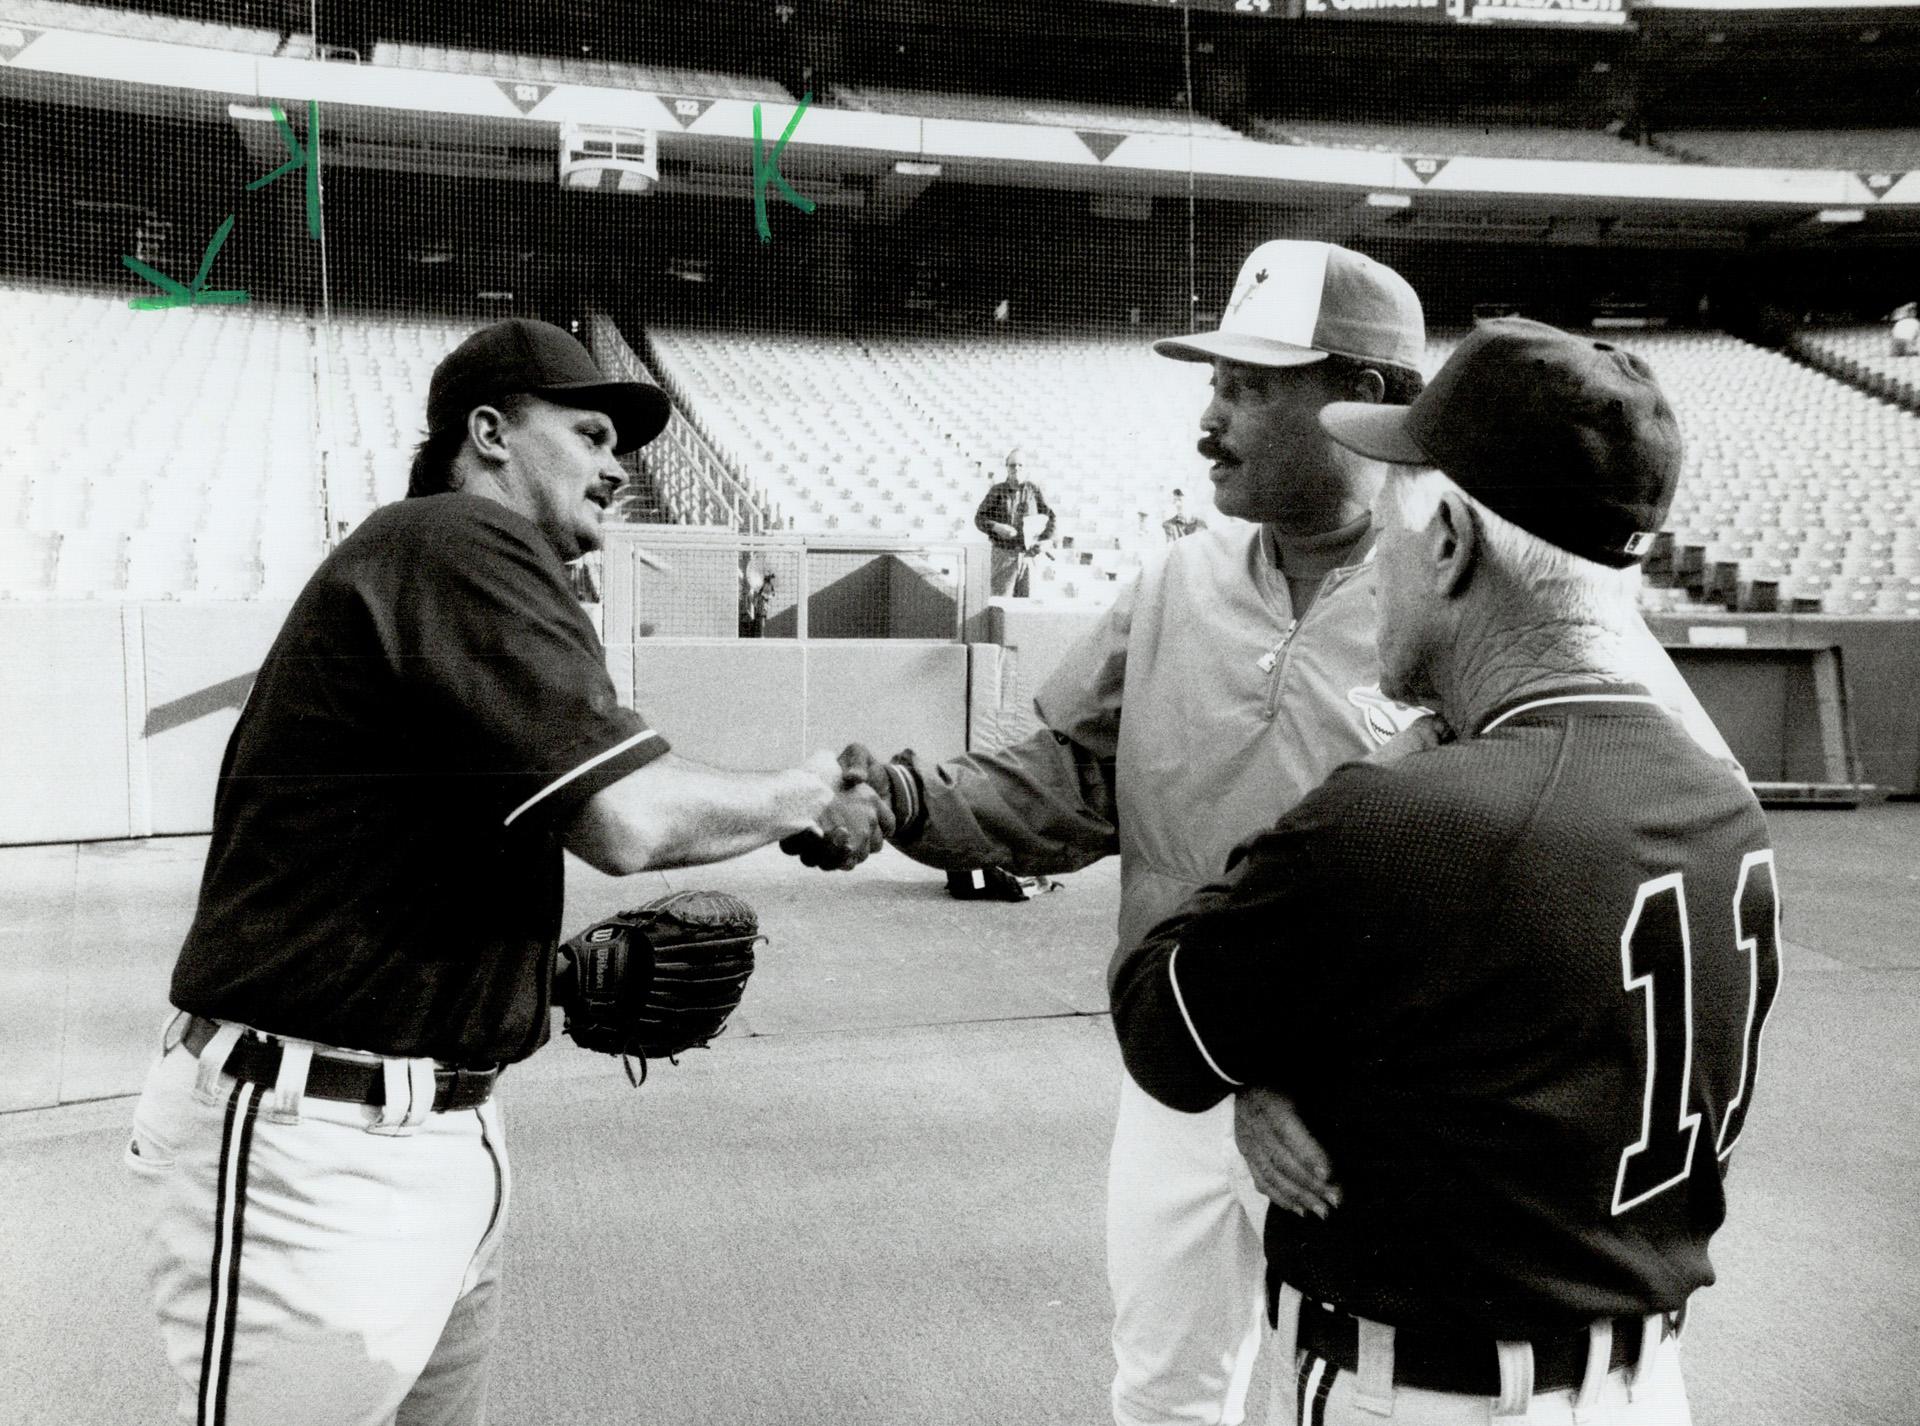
[[873, 802]]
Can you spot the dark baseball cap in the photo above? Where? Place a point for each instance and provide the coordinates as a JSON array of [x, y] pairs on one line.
[[523, 356], [1567, 437]]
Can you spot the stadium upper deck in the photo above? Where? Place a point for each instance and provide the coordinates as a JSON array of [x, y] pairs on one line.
[[1607, 99], [894, 429]]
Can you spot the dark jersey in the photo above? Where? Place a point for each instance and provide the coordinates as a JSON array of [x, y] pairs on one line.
[[385, 871], [1515, 985]]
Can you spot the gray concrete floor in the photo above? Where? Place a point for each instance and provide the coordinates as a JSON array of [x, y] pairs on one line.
[[878, 1199]]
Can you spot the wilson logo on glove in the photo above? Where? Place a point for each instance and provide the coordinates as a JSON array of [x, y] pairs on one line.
[[656, 981]]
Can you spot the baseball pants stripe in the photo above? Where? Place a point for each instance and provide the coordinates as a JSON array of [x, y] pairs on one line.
[[223, 1303], [1316, 1377], [307, 1271]]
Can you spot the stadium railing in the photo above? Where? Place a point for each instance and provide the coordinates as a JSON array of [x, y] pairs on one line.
[[692, 483]]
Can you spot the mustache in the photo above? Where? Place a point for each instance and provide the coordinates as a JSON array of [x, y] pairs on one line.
[[1213, 450]]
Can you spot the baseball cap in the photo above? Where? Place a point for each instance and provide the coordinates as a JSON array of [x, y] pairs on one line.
[[1299, 302], [1567, 437], [521, 355]]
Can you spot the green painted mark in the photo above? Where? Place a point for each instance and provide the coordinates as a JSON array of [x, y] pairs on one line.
[[766, 168], [304, 158], [179, 294], [307, 159]]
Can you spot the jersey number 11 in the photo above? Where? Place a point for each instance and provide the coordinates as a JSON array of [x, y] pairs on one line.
[[1656, 960]]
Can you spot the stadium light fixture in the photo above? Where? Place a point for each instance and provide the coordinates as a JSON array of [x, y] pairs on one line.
[[1842, 215], [1389, 200]]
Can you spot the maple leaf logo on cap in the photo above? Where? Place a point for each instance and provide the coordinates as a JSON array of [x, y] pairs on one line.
[[1241, 301]]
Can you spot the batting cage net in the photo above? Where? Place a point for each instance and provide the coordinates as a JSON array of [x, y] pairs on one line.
[[875, 249]]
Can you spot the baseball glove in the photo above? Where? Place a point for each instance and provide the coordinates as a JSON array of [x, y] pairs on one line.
[[657, 980]]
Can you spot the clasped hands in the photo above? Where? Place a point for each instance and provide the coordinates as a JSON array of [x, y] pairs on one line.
[[859, 819]]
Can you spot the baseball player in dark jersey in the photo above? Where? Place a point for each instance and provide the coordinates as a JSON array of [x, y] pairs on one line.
[[1514, 974], [325, 1181]]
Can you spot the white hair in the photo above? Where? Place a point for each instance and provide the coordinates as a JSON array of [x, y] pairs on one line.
[[1560, 585]]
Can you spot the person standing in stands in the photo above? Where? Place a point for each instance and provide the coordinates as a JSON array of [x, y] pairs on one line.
[[1010, 515], [1906, 330], [1179, 524]]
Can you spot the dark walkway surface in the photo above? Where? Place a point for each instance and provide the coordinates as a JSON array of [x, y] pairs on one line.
[[878, 1200]]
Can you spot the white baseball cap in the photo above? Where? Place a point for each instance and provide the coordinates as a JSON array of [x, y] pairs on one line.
[[1299, 302]]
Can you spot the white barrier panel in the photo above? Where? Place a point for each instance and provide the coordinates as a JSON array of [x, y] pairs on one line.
[[759, 705], [1031, 638], [63, 723], [200, 661], [889, 694], [113, 719], [733, 705]]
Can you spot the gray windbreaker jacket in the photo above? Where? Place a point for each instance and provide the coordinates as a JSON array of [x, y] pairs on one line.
[[1234, 711]]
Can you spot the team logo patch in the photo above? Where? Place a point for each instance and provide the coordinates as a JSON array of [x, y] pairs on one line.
[[1384, 717]]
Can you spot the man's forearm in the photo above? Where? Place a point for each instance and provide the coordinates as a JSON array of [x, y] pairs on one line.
[[1157, 1041], [679, 813], [1040, 806]]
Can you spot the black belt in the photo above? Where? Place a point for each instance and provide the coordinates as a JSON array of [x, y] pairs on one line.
[[1463, 1365], [257, 1061]]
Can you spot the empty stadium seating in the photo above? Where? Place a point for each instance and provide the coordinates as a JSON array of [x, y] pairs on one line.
[[1863, 356], [177, 454], [136, 24], [154, 449], [1793, 479], [374, 396], [568, 69], [1482, 140], [1004, 109], [172, 454], [1894, 149], [1797, 487], [901, 437]]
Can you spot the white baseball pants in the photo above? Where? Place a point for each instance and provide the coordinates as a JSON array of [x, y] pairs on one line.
[[1187, 1265], [310, 1265], [1317, 1393]]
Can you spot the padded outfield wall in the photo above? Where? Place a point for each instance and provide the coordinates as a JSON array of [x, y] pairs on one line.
[[113, 718]]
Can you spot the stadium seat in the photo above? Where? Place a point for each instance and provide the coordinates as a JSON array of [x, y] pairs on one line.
[[573, 69], [138, 24], [89, 564], [1011, 109], [1480, 140], [1894, 149], [26, 563]]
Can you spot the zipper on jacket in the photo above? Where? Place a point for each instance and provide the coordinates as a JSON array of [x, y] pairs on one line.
[[1273, 664]]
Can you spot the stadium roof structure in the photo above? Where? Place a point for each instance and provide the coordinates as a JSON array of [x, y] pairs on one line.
[[480, 124]]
